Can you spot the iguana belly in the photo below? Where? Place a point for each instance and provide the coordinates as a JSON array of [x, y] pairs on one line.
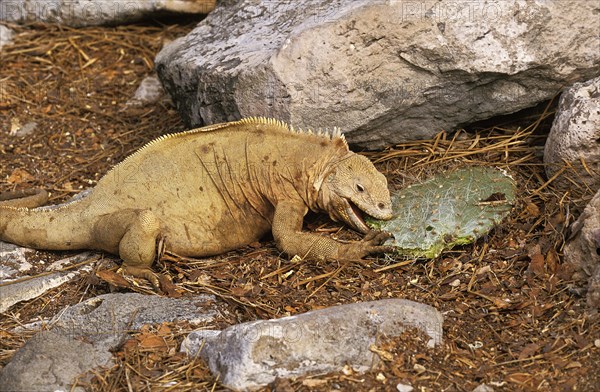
[[197, 237]]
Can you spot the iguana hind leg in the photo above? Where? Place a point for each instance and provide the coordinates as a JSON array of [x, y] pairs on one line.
[[133, 234], [137, 248]]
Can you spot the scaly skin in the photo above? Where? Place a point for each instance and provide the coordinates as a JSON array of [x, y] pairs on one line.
[[211, 190]]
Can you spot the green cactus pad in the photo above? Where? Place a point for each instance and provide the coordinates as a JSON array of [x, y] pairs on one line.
[[449, 209]]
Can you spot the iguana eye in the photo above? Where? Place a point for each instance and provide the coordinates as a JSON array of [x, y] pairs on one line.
[[360, 188]]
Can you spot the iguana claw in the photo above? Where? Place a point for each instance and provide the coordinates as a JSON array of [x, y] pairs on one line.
[[144, 273], [370, 244], [374, 239]]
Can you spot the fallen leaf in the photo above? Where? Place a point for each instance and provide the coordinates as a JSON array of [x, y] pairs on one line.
[[312, 383], [15, 125], [384, 355], [532, 209], [129, 346], [499, 302], [150, 341], [239, 291], [483, 270], [19, 176], [519, 378], [557, 219], [112, 278], [347, 370], [565, 271], [68, 186], [529, 350], [573, 365], [552, 261], [164, 330], [536, 265], [199, 276], [168, 287]]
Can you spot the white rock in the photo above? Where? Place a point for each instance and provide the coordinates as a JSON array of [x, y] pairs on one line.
[[150, 91], [24, 130], [383, 71], [97, 12], [575, 135], [483, 388], [582, 251], [13, 260], [251, 355], [6, 36], [12, 293]]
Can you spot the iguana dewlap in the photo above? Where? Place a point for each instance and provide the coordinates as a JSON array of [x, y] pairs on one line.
[[211, 190]]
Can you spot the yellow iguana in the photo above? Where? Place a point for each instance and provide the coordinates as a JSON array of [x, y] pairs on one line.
[[211, 190]]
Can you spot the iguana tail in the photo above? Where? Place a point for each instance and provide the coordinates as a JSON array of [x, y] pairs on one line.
[[29, 198], [53, 227]]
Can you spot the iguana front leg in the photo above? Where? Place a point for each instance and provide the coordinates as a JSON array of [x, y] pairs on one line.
[[288, 234]]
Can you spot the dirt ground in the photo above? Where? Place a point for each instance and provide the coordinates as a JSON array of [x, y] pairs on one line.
[[511, 318]]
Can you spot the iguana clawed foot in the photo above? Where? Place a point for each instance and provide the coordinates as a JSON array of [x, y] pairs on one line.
[[144, 273], [370, 244]]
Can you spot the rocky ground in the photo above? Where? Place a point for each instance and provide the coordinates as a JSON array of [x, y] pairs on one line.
[[511, 320]]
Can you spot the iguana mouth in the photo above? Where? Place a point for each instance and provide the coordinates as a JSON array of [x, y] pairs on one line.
[[355, 217]]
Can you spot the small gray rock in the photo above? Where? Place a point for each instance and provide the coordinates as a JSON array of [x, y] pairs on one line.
[[6, 36], [483, 388], [82, 336], [251, 355], [12, 293], [13, 260], [106, 319], [404, 388], [26, 129], [582, 251], [575, 135], [150, 91]]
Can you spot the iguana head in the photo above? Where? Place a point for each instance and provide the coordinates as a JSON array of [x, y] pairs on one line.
[[354, 187]]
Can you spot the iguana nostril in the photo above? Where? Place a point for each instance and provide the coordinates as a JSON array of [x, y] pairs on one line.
[[381, 206]]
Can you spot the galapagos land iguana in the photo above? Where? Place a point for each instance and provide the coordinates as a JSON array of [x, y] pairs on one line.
[[211, 190]]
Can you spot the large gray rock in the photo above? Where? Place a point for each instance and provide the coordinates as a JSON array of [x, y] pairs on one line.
[[582, 251], [383, 71], [51, 361], [251, 355], [575, 136], [82, 337], [97, 12]]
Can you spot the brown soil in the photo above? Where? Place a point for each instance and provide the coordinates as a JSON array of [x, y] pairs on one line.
[[511, 320]]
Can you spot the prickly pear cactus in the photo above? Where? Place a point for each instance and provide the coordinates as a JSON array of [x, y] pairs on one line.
[[450, 209]]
